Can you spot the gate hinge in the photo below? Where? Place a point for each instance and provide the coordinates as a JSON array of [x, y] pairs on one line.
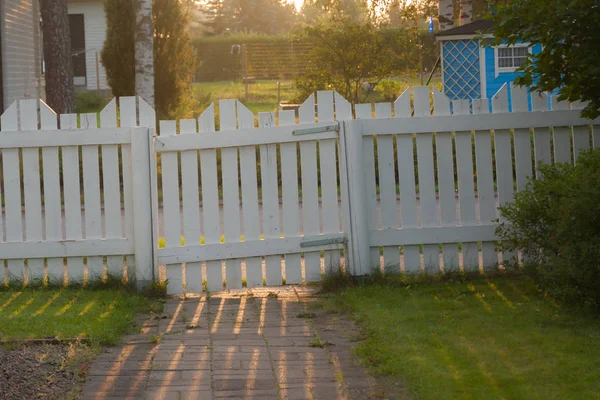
[[318, 129]]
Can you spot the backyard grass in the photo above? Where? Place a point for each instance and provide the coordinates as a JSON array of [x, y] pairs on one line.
[[102, 316], [485, 339]]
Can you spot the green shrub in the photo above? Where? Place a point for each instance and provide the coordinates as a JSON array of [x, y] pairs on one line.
[[88, 102], [555, 222], [389, 89]]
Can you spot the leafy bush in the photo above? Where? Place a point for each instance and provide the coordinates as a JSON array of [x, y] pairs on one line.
[[87, 102], [555, 222], [389, 89]]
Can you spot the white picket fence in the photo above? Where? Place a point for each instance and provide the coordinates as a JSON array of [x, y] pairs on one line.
[[281, 202]]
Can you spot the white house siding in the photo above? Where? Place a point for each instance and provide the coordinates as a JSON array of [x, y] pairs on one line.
[[95, 33], [21, 50]]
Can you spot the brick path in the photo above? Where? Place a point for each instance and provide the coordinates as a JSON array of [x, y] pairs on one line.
[[235, 346]]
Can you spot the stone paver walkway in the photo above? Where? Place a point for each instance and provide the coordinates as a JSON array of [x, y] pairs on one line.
[[236, 346]]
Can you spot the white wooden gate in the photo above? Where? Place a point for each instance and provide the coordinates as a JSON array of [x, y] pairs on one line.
[[231, 224]]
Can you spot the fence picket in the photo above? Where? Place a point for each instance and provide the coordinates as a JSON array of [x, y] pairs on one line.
[[112, 188], [191, 207], [343, 112], [52, 206], [406, 182], [310, 194], [270, 199], [562, 134], [328, 169], [231, 195], [363, 111], [210, 199], [387, 188], [171, 207], [12, 193], [72, 196], [28, 115], [541, 136], [522, 138], [485, 185], [581, 140], [289, 198], [250, 207], [466, 186]]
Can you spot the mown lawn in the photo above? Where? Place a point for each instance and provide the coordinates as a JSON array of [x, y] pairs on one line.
[[498, 339], [102, 316]]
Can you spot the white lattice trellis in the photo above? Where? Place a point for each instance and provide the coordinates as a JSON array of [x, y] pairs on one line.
[[461, 69]]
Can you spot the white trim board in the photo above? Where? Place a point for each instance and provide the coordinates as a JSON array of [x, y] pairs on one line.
[[508, 70]]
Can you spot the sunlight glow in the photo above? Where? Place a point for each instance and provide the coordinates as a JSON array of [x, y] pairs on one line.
[[240, 317], [10, 300], [45, 306], [23, 307]]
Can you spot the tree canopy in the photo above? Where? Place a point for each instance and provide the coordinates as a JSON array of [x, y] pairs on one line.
[[568, 32]]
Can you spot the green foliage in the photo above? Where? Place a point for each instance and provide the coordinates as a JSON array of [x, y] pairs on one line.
[[569, 59], [555, 222], [389, 89], [174, 56], [88, 102], [345, 54]]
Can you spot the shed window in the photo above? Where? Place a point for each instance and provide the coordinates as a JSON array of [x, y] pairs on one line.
[[511, 58]]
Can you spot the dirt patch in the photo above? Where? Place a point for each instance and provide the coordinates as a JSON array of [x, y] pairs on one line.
[[43, 371]]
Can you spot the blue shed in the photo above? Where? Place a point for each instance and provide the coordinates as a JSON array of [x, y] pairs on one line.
[[471, 70]]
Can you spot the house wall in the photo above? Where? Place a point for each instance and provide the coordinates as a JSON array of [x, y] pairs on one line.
[[21, 50], [461, 69], [95, 33]]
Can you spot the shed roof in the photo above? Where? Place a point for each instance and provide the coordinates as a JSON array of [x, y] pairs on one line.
[[472, 28]]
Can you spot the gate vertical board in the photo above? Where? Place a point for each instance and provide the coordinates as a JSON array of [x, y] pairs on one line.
[[270, 199], [363, 111], [289, 198], [541, 136], [172, 216], [522, 139], [328, 169], [72, 196], [231, 195], [210, 199], [485, 182], [445, 179], [51, 179], [406, 184], [387, 188], [112, 188], [466, 186], [427, 195], [561, 137], [28, 115], [12, 191], [191, 207], [250, 207]]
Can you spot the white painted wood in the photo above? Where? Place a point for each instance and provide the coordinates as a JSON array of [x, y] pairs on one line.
[[581, 140], [171, 207], [191, 207], [91, 196], [453, 123], [434, 234], [28, 115], [541, 136], [72, 199], [485, 189], [310, 195], [328, 170], [289, 198], [237, 250], [402, 104], [231, 196], [210, 198], [52, 198], [72, 137], [111, 186], [270, 200], [466, 186], [74, 249], [522, 138], [421, 101], [249, 184], [12, 191], [363, 111], [562, 144]]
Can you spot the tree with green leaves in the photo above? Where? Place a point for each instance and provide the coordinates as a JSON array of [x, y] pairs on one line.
[[173, 55], [568, 32]]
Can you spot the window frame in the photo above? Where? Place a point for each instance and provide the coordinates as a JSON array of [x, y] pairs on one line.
[[498, 69]]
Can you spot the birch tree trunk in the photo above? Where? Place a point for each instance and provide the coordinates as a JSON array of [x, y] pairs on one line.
[[57, 56], [466, 11], [446, 14], [144, 52]]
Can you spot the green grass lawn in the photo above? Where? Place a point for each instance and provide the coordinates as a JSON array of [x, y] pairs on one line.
[[102, 316], [498, 339]]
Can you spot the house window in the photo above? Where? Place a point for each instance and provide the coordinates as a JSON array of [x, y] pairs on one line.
[[509, 58]]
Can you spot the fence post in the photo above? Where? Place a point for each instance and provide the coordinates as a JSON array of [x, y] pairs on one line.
[[141, 149], [353, 199]]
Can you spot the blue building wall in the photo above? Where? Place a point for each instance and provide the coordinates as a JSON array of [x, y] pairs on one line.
[[495, 83], [461, 69]]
